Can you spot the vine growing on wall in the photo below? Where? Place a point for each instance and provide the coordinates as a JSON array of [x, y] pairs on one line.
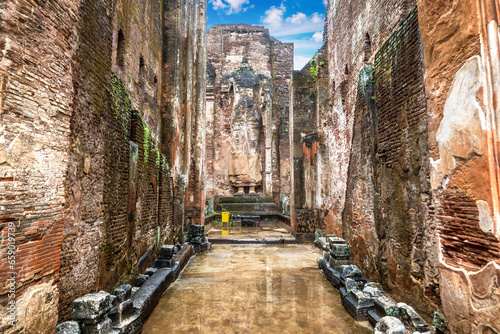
[[314, 68]]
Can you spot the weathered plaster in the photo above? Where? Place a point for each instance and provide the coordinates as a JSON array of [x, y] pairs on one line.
[[460, 133]]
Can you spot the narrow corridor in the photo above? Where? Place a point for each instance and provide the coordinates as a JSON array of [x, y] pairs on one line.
[[252, 289]]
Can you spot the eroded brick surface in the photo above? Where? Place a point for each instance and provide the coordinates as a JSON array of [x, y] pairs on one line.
[[84, 173], [464, 179], [385, 217], [36, 105], [347, 26]]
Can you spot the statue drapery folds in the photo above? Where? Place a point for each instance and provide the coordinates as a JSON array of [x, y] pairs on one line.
[[251, 104]]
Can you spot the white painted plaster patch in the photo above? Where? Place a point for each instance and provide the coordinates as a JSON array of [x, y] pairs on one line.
[[486, 222], [461, 130]]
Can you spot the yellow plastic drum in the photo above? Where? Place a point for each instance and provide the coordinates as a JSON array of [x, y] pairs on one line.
[[225, 223]]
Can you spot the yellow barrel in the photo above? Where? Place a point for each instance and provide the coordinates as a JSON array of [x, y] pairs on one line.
[[225, 223]]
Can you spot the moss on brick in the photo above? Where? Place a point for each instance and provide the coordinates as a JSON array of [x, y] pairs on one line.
[[147, 135], [120, 103]]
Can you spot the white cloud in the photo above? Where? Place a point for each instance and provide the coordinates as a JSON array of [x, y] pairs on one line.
[[299, 62], [218, 4], [325, 2], [231, 6], [292, 27], [297, 18], [274, 16], [236, 5], [317, 18], [318, 36], [298, 23]]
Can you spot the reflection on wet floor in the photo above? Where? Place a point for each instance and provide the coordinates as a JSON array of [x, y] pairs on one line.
[[267, 230], [252, 289]]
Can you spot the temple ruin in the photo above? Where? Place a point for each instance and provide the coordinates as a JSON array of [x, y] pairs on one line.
[[362, 191], [248, 77]]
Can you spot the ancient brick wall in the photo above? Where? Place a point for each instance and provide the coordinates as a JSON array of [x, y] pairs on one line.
[[362, 209], [134, 172], [227, 48], [404, 166], [227, 45], [282, 55], [87, 163], [310, 99], [421, 205], [348, 23], [308, 221], [460, 43], [36, 102], [83, 175], [385, 218], [103, 196], [195, 196], [210, 133], [137, 45], [323, 98], [304, 121]]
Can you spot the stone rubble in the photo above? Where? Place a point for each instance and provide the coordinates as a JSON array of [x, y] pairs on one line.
[[92, 307], [198, 238], [124, 310], [140, 279], [389, 325], [68, 327], [361, 299], [123, 292]]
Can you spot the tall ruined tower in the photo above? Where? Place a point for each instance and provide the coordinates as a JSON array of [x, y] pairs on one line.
[[246, 58]]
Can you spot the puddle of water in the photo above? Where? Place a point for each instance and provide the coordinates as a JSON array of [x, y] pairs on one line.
[[252, 289], [270, 230]]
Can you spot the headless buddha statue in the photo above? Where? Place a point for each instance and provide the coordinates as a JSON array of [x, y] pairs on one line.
[[252, 98]]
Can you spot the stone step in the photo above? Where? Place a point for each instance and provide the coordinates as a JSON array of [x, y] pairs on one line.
[[246, 199], [249, 208], [251, 241]]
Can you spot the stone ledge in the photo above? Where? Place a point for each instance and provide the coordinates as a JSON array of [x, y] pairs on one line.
[[93, 310], [271, 241], [147, 297]]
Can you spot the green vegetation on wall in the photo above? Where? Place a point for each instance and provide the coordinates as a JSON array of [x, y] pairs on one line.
[[120, 103], [314, 68]]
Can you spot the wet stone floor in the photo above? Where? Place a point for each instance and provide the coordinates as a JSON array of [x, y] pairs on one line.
[[267, 230], [252, 289]]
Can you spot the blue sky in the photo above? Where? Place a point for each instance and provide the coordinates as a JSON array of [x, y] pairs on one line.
[[297, 21]]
